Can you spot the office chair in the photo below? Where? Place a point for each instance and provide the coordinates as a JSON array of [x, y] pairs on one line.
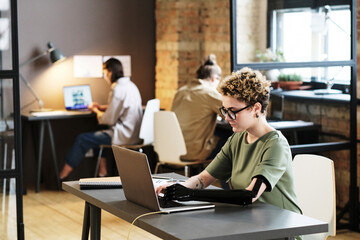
[[169, 142], [315, 189], [146, 130]]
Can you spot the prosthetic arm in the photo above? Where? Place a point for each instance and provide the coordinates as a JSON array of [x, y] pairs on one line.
[[241, 196]]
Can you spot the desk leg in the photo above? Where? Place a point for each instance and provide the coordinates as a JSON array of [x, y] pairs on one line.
[[296, 139], [95, 221], [52, 142], [41, 143], [86, 222], [40, 152]]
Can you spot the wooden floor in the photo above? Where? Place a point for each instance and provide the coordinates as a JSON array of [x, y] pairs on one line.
[[58, 215]]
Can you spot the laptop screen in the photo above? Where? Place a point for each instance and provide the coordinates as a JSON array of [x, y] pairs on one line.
[[77, 97]]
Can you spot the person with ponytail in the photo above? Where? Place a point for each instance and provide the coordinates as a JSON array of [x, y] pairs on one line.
[[196, 106]]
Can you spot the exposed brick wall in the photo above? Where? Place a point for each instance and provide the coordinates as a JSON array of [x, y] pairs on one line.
[[333, 118], [186, 32], [335, 124]]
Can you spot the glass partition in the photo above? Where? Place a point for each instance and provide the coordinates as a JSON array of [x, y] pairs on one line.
[[7, 160], [10, 126], [5, 35]]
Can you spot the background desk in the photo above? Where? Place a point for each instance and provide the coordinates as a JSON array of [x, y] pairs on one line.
[[258, 221], [45, 119], [296, 132]]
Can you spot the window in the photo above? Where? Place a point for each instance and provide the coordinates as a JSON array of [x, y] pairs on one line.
[[292, 35], [320, 34]]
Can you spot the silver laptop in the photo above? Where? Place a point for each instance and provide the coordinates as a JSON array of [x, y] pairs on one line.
[[138, 185], [77, 97]]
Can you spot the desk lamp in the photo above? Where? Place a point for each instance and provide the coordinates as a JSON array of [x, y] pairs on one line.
[[55, 56]]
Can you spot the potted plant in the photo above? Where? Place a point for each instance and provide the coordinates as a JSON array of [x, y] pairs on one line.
[[289, 81], [270, 55]]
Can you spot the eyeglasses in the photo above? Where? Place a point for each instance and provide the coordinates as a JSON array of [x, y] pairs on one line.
[[231, 113]]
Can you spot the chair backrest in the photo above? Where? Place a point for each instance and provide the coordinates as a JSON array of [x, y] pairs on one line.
[[147, 124], [169, 142], [315, 189]]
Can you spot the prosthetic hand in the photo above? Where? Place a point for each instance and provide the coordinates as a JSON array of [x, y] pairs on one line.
[[240, 197]]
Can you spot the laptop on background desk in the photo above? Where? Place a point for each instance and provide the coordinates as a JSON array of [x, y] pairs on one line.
[[138, 186], [77, 97]]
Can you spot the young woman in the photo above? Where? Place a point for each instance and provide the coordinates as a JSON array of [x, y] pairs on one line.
[[256, 160]]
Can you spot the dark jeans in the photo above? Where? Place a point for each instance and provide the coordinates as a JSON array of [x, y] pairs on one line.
[[83, 143]]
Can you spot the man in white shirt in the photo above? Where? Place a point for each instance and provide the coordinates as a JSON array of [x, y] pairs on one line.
[[123, 115]]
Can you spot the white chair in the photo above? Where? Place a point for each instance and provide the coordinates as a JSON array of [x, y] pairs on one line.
[[146, 130], [315, 189], [169, 142]]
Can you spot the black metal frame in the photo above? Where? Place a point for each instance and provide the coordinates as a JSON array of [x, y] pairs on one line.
[[352, 206], [14, 75]]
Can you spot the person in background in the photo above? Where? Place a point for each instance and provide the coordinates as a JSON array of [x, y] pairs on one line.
[[256, 160], [122, 115], [196, 106]]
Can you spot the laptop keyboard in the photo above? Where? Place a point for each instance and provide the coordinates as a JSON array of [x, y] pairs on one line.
[[168, 204]]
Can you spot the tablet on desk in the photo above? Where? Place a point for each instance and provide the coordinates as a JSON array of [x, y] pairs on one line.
[[77, 97]]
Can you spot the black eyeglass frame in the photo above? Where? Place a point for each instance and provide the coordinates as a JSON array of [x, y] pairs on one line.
[[225, 111]]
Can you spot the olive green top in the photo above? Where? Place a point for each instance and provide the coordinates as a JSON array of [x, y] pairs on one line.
[[269, 156]]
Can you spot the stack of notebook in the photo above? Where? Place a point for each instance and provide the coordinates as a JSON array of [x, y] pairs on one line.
[[100, 182]]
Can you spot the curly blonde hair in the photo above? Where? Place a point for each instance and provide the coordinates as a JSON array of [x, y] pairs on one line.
[[247, 85]]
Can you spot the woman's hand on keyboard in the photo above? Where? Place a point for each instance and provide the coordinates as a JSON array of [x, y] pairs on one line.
[[161, 188], [179, 192]]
